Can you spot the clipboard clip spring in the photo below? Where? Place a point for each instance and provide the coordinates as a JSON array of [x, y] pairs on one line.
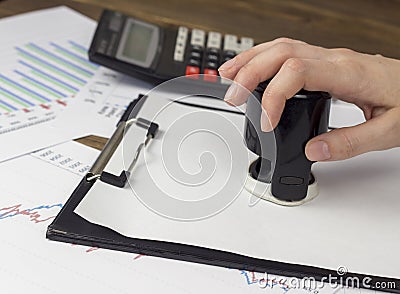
[[97, 170]]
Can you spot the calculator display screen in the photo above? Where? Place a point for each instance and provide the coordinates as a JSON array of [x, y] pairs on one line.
[[138, 43]]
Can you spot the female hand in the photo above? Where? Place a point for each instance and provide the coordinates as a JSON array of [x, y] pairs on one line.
[[372, 82]]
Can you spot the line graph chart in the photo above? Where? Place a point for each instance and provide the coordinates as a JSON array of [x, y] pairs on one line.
[[35, 214]]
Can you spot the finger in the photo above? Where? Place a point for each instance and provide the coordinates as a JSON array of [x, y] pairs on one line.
[[268, 63], [379, 133], [308, 74], [230, 68]]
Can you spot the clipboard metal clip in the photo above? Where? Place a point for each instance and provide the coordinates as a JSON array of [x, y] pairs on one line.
[[97, 170]]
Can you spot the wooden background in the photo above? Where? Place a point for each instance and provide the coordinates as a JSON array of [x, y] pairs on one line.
[[371, 26]]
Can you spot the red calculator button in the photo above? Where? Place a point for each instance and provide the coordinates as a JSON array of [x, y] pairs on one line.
[[192, 70], [211, 75]]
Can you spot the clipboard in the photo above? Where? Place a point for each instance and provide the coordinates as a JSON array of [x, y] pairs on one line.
[[71, 228]]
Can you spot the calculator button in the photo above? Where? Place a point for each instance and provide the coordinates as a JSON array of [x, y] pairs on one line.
[[214, 40], [178, 56], [196, 48], [192, 70], [211, 75], [181, 39], [198, 38], [211, 65], [212, 57], [179, 53], [195, 55], [182, 34], [229, 54], [230, 43], [194, 62], [213, 51], [183, 31], [246, 43]]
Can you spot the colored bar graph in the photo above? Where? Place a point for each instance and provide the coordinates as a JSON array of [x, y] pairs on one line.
[[44, 74], [7, 107], [26, 90], [40, 85], [50, 78], [73, 56], [59, 60], [15, 98], [47, 65], [78, 47]]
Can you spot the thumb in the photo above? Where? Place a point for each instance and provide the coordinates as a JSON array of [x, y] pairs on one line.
[[379, 133]]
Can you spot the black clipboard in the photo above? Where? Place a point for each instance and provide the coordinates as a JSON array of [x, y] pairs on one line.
[[71, 228]]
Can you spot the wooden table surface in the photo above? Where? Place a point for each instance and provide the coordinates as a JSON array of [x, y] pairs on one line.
[[370, 26]]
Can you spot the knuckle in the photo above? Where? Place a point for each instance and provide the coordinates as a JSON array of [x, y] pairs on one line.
[[275, 92], [241, 58], [343, 54], [246, 69], [352, 67], [269, 91], [288, 40], [344, 51], [284, 40], [249, 54], [284, 50], [250, 73], [295, 64], [350, 145], [354, 72]]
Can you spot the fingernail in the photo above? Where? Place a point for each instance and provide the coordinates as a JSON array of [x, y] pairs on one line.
[[236, 94], [265, 123], [231, 94], [227, 65], [318, 151], [229, 103]]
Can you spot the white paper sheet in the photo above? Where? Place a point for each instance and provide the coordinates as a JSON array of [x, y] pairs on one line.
[[353, 222], [44, 64]]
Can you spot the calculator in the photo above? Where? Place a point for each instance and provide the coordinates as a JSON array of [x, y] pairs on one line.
[[159, 53]]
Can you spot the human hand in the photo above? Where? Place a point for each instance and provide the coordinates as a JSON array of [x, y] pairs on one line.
[[372, 82]]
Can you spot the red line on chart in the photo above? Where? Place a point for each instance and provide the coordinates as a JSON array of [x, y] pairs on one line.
[[88, 250], [33, 213], [61, 102], [91, 249], [138, 256]]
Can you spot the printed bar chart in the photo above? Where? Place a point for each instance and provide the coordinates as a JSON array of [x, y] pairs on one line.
[[44, 74]]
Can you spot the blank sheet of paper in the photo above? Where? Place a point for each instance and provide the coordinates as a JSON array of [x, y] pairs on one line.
[[353, 222]]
